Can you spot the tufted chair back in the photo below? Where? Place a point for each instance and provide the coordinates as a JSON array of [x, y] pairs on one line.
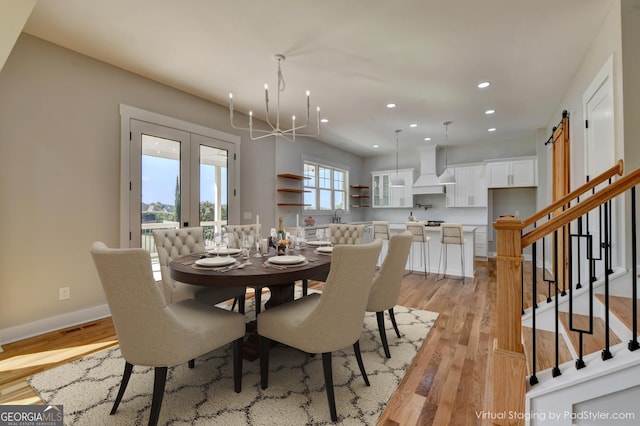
[[240, 230], [346, 234], [380, 229], [173, 243]]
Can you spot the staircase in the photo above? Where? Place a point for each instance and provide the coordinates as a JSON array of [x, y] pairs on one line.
[[575, 347]]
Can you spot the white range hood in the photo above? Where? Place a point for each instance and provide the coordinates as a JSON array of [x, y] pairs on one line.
[[428, 182]]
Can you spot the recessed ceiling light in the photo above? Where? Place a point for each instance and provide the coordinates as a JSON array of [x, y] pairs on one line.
[[427, 139], [376, 146], [324, 120], [413, 125], [493, 129], [484, 84], [490, 111], [391, 105]]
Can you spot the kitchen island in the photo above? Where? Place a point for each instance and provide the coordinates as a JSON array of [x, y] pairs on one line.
[[453, 262]]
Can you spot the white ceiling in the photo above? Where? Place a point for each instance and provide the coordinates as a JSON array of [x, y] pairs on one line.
[[354, 56]]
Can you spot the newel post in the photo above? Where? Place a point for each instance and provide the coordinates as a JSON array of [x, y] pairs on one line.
[[509, 366]]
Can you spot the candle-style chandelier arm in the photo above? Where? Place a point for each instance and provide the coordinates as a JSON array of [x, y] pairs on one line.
[[290, 133]]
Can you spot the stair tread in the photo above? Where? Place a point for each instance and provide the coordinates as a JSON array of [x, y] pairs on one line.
[[591, 342], [622, 308], [545, 349]]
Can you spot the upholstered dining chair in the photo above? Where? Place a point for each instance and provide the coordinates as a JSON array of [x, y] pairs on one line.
[[386, 284], [420, 237], [152, 332], [238, 232], [450, 234], [327, 322], [346, 234], [173, 243]]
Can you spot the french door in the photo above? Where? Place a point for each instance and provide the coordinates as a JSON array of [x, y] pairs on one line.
[[177, 179]]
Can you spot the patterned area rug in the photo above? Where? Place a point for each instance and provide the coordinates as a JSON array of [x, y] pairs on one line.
[[204, 395]]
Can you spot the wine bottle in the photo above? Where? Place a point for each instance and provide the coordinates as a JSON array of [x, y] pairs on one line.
[[281, 234]]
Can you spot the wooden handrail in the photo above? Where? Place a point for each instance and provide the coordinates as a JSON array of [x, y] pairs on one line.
[[613, 190], [617, 169]]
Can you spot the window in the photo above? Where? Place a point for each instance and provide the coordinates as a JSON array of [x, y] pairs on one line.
[[325, 187]]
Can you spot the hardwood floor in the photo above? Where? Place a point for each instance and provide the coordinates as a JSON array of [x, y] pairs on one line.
[[449, 382]]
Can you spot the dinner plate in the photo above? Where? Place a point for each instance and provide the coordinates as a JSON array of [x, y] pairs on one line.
[[215, 261], [318, 243], [229, 251], [325, 249], [286, 260]]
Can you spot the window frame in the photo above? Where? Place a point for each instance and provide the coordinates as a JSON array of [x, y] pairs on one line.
[[317, 187]]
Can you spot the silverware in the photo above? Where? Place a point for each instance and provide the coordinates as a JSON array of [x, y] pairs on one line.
[[271, 265]]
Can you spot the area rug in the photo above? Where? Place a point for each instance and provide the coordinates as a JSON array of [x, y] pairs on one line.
[[204, 395]]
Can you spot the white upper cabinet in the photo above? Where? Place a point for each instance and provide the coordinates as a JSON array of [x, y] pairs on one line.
[[470, 189], [511, 173], [385, 195]]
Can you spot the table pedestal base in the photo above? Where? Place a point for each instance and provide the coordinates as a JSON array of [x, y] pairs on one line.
[[279, 294]]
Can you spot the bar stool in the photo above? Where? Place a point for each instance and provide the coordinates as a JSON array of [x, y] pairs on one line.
[[420, 236], [450, 233], [380, 230]]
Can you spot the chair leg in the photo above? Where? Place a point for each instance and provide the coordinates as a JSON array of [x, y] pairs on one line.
[[237, 364], [383, 333], [428, 258], [443, 247], [305, 287], [328, 383], [159, 381], [241, 302], [264, 362], [123, 385], [258, 299], [192, 363], [393, 321], [356, 349], [235, 302]]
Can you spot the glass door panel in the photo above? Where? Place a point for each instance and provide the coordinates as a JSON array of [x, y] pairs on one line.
[[213, 182], [160, 201]]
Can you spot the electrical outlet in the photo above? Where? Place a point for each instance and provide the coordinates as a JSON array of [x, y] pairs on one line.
[[517, 213], [64, 293]]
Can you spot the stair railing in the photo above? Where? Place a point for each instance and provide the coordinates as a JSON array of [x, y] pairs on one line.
[[509, 360]]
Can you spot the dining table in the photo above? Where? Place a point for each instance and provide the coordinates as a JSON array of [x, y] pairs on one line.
[[261, 272]]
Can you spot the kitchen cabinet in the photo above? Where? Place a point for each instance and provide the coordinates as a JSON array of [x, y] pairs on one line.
[[384, 195], [359, 196], [512, 173], [291, 195], [470, 189], [481, 242]]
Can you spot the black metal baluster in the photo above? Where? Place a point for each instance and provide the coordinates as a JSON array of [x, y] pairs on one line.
[[579, 283], [633, 343], [556, 370], [534, 276], [544, 267], [606, 352]]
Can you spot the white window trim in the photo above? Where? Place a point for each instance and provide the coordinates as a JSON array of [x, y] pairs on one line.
[[332, 166], [126, 114]]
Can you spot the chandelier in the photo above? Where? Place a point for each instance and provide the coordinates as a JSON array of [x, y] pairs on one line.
[[289, 133]]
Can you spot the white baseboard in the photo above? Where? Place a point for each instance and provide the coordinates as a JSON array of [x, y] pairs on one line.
[[35, 328]]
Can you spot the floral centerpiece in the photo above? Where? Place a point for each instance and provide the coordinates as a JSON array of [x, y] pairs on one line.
[[282, 246]]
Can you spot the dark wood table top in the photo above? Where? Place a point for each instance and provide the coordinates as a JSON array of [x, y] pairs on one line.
[[257, 274]]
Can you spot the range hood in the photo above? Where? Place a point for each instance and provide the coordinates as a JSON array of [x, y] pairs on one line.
[[428, 182]]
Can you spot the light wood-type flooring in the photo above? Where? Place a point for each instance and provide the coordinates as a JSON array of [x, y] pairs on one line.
[[449, 382]]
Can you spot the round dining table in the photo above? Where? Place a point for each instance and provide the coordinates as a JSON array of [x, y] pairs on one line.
[[280, 279]]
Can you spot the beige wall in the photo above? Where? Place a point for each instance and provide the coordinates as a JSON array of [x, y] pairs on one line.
[[60, 170]]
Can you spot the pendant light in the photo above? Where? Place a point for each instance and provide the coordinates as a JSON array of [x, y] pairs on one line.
[[397, 180], [447, 177]]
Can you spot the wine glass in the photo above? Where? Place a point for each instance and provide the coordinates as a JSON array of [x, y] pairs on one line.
[[257, 240], [217, 238], [274, 236], [224, 244], [247, 243], [320, 234]]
